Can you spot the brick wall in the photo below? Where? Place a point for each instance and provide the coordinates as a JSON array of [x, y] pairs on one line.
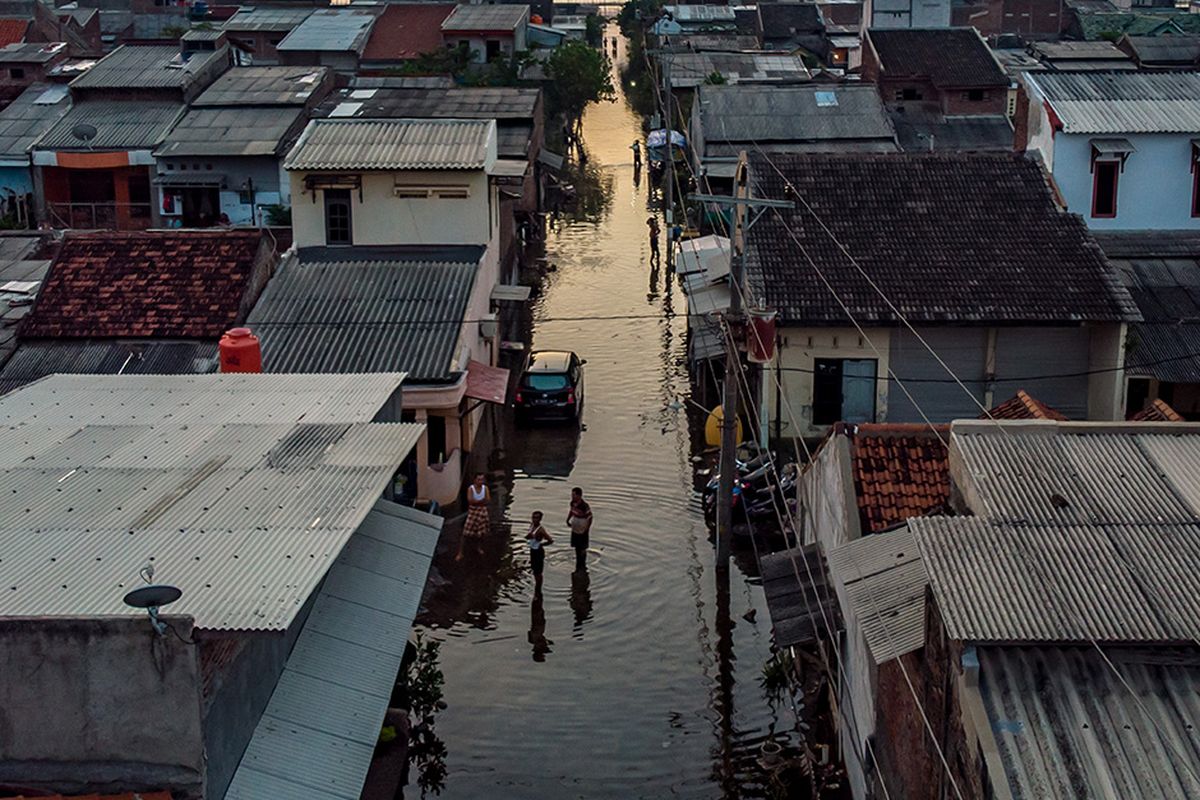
[[957, 102], [987, 16], [1021, 121]]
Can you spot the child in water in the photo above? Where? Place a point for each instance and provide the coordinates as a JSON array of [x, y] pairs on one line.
[[538, 538]]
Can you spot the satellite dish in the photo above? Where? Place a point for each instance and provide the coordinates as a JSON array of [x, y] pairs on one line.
[[151, 598], [84, 132]]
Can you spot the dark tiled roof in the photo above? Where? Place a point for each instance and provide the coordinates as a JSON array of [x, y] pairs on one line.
[[899, 471], [407, 30], [947, 56], [160, 284], [946, 237], [1158, 411], [783, 20], [1022, 405]]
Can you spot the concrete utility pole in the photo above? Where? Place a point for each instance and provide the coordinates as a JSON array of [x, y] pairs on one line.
[[741, 202], [669, 174]]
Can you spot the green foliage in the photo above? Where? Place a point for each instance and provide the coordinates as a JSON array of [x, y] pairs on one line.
[[715, 78], [425, 683], [278, 216], [636, 13], [595, 30], [580, 75], [498, 72], [173, 31], [443, 61], [1110, 36], [776, 677]]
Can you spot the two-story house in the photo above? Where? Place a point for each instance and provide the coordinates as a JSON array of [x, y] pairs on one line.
[[1120, 147], [967, 256], [488, 31], [395, 263]]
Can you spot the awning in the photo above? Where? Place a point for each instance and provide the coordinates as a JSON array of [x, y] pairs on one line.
[[709, 299], [708, 255], [549, 159], [720, 169], [489, 384], [509, 168], [1112, 147], [502, 292], [322, 722], [197, 179]]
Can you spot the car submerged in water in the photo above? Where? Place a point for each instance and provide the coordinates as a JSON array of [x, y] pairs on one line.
[[551, 387]]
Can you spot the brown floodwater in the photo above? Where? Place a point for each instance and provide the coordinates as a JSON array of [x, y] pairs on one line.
[[612, 683]]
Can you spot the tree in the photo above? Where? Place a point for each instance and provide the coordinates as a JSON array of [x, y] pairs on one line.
[[580, 75], [636, 13]]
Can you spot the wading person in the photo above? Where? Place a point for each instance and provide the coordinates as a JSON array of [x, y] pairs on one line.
[[579, 520], [538, 538], [652, 224], [478, 521]]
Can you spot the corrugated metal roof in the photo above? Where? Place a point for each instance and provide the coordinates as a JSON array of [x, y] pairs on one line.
[[232, 132], [880, 582], [1122, 102], [364, 316], [792, 113], [331, 698], [145, 67], [998, 582], [29, 116], [120, 125], [1067, 728], [264, 86], [31, 52], [689, 70], [331, 144], [250, 19], [339, 30], [486, 17], [240, 489], [35, 359]]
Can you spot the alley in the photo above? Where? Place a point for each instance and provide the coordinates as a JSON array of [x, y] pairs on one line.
[[609, 685]]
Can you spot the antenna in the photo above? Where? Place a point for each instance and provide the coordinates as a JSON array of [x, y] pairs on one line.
[[152, 598], [84, 132]]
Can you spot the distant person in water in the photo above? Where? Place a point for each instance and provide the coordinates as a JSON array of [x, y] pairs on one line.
[[538, 538], [478, 520], [652, 224], [579, 520]]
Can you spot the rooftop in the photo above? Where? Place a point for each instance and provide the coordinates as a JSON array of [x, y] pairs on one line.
[[13, 30], [1068, 52], [1157, 410], [1161, 270], [406, 31], [502, 17], [365, 316], [119, 124], [796, 585], [268, 18], [689, 70], [154, 284], [968, 134], [1111, 25], [34, 359], [394, 144], [785, 20], [245, 131], [33, 113], [461, 102], [1121, 102], [340, 30], [32, 52], [810, 113], [1022, 405], [241, 489], [949, 57], [264, 86], [145, 67], [1000, 250], [1178, 50]]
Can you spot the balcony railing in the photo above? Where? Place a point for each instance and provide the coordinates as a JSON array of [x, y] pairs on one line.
[[102, 216]]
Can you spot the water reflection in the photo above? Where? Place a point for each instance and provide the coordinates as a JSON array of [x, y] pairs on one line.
[[581, 599], [537, 628]]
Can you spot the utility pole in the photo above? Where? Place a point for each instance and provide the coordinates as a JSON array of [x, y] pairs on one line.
[[669, 174], [741, 202]]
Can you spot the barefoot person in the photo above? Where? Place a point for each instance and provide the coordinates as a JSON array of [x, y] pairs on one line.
[[538, 538], [478, 521], [579, 520]]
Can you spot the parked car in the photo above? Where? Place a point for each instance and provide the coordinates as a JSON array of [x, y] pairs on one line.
[[551, 386]]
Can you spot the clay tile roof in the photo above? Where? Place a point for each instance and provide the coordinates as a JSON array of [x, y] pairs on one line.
[[187, 284], [407, 30], [1157, 411], [949, 57], [12, 31], [1023, 406], [900, 471], [125, 796]]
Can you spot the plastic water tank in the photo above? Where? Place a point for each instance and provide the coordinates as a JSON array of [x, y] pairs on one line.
[[240, 351]]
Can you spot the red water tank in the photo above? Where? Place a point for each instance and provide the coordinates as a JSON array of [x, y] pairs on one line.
[[240, 351], [760, 335]]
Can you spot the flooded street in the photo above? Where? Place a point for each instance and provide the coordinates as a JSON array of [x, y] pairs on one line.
[[610, 683]]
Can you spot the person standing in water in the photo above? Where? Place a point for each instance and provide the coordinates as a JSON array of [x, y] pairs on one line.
[[478, 520], [538, 538], [652, 224], [579, 520]]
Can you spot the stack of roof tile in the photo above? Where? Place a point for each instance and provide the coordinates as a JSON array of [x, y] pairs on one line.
[[900, 471], [1157, 411], [1022, 405]]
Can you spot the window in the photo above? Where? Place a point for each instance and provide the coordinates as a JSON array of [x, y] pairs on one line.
[[546, 382], [139, 196], [1104, 188], [493, 49], [338, 227], [435, 432], [843, 390], [16, 73], [975, 95], [908, 94]]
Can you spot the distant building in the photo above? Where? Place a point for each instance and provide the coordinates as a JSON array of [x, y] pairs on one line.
[[403, 33], [329, 37], [792, 27], [219, 486], [1163, 52], [22, 123], [256, 32], [487, 31], [1119, 146], [1080, 56], [891, 14], [994, 304]]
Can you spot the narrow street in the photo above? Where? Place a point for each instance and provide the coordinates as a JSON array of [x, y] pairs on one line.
[[610, 685]]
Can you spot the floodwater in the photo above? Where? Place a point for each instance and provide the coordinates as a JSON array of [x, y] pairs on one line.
[[611, 683]]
